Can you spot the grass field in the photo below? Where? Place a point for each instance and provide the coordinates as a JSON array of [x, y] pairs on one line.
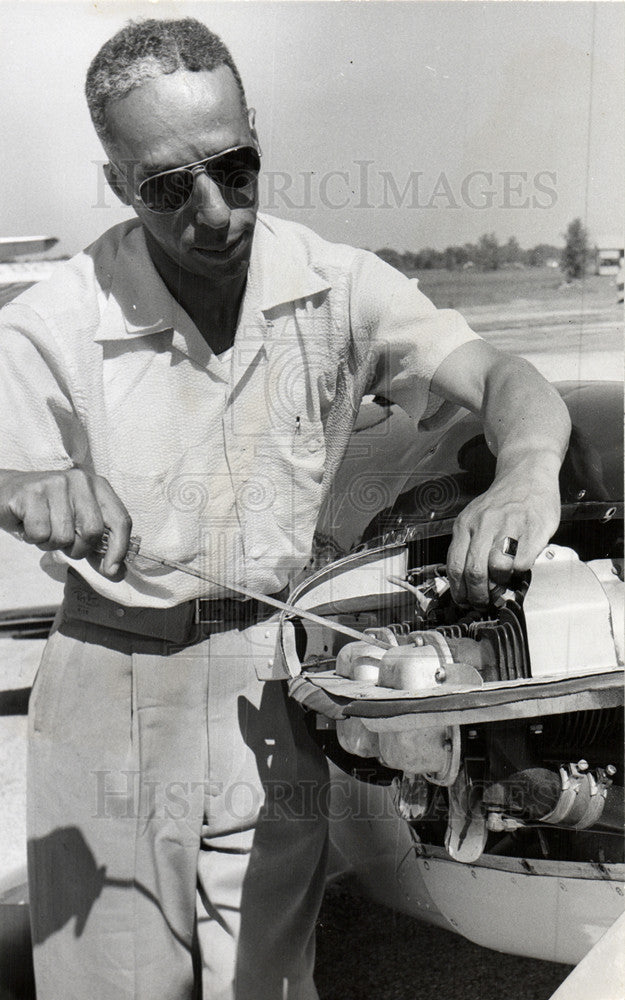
[[569, 331], [540, 285], [461, 289]]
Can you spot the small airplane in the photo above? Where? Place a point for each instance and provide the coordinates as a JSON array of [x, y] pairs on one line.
[[478, 758], [22, 263]]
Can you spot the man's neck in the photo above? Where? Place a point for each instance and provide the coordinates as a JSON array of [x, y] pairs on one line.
[[214, 308]]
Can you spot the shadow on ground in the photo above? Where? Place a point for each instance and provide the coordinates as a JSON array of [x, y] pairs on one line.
[[367, 952]]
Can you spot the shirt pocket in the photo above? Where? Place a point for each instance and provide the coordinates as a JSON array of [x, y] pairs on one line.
[[300, 463], [308, 446]]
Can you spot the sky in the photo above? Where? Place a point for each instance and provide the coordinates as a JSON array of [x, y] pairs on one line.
[[382, 124]]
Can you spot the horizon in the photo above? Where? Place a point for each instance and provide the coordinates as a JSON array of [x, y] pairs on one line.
[[52, 253]]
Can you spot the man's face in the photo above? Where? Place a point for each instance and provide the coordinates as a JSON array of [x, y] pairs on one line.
[[177, 119]]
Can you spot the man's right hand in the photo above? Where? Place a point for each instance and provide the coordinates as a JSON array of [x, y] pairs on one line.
[[66, 510]]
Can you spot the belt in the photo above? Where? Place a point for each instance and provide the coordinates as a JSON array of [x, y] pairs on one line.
[[183, 624]]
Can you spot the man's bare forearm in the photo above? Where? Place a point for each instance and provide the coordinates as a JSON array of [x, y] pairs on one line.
[[525, 419], [527, 427]]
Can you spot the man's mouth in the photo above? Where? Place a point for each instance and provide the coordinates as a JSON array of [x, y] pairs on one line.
[[224, 253]]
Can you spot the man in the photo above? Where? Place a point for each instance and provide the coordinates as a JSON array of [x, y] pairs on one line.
[[199, 371]]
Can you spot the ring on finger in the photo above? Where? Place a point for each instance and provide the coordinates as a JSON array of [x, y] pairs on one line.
[[510, 546]]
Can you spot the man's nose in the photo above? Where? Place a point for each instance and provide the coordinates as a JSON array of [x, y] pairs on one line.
[[208, 202]]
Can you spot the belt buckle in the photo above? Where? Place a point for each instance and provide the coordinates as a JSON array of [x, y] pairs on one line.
[[237, 614], [201, 622]]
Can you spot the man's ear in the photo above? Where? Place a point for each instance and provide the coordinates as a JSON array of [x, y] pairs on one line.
[[117, 183], [251, 118]]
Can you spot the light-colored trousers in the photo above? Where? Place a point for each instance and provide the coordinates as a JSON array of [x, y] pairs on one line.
[[177, 838]]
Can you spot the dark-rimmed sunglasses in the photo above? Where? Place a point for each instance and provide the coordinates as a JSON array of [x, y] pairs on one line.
[[234, 170]]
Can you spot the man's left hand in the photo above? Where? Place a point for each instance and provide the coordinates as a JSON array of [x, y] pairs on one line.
[[523, 505], [527, 427]]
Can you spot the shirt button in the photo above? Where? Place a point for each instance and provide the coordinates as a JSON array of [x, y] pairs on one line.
[[255, 552], [120, 612], [313, 444]]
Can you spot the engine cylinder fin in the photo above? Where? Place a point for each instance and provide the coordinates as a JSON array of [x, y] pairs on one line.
[[454, 631], [506, 635], [586, 728]]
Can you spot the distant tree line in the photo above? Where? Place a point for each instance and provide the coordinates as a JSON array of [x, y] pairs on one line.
[[488, 254], [576, 251]]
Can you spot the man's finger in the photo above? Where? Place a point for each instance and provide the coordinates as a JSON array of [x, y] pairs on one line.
[[88, 519], [502, 558], [473, 586], [62, 530], [118, 521], [456, 559], [36, 520], [485, 560], [476, 574]]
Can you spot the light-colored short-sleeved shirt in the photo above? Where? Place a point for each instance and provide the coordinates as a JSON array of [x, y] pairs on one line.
[[222, 461]]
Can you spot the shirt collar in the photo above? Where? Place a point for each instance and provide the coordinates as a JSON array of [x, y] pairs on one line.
[[139, 304], [279, 271]]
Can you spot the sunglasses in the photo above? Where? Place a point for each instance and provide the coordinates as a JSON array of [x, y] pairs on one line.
[[234, 170]]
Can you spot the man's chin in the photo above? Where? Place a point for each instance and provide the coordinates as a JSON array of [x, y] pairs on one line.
[[205, 262], [230, 261], [215, 259], [217, 270]]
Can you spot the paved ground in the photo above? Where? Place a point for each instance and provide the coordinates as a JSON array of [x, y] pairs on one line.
[[366, 952]]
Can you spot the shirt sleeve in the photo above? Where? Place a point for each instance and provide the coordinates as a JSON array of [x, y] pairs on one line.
[[402, 336], [40, 429]]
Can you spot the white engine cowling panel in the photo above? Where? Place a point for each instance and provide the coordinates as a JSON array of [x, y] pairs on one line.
[[568, 616]]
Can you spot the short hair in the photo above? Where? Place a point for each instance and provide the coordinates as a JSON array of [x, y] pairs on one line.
[[146, 49]]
